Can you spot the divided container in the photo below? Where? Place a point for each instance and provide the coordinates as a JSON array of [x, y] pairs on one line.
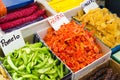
[[31, 39], [41, 28], [107, 64], [106, 51]]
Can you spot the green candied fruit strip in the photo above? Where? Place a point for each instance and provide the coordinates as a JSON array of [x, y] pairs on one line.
[[11, 63]]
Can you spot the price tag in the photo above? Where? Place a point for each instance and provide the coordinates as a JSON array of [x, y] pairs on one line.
[[11, 41], [57, 20], [88, 5]]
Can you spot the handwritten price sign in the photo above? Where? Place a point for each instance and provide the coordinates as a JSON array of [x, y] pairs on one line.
[[57, 20], [88, 5], [11, 41]]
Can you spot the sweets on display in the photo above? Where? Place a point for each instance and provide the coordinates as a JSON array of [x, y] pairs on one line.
[[105, 25], [64, 5], [74, 45]]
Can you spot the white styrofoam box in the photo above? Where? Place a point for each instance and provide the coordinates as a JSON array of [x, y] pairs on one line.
[[83, 71]]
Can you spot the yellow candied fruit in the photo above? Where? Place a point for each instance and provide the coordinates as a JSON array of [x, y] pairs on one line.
[[64, 5], [105, 25]]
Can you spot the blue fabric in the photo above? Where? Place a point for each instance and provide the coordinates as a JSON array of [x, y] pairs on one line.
[[14, 4], [115, 49]]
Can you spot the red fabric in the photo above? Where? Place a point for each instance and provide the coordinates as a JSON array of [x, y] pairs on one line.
[[20, 21], [19, 13], [45, 16]]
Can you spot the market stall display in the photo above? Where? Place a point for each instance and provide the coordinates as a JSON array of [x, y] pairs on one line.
[[73, 52], [106, 26]]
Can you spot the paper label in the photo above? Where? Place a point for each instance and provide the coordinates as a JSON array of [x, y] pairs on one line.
[[88, 5], [57, 20], [11, 41]]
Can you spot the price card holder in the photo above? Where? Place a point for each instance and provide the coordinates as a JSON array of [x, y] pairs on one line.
[[11, 41], [88, 5], [57, 20]]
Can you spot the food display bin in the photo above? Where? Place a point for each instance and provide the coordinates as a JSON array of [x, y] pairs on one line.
[[83, 71]]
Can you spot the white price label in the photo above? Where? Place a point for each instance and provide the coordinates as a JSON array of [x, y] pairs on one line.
[[88, 5], [57, 20], [11, 41]]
